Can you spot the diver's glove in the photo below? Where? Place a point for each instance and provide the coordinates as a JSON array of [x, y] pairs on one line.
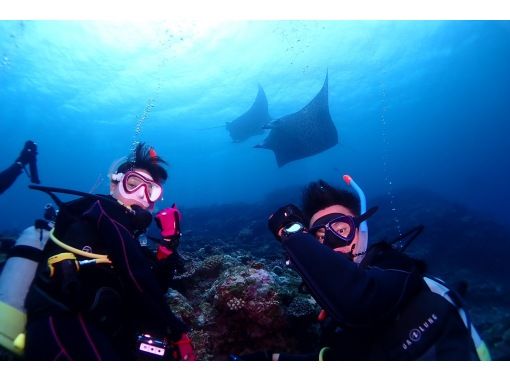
[[183, 349], [28, 153], [168, 221], [283, 217]]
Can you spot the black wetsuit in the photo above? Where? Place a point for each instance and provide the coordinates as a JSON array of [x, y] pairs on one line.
[[379, 310], [8, 176], [96, 312]]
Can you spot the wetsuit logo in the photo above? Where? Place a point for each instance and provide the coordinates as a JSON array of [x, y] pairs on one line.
[[416, 333]]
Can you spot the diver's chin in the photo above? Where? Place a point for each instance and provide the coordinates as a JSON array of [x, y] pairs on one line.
[[343, 250], [143, 205]]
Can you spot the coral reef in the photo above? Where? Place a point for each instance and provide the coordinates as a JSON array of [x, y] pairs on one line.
[[236, 307]]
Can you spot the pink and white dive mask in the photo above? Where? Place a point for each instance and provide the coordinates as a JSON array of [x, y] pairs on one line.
[[132, 181]]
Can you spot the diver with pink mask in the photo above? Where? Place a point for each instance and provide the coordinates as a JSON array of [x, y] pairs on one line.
[[99, 292]]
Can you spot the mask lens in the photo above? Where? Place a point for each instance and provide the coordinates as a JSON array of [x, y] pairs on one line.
[[133, 181], [335, 230], [341, 228], [154, 191]]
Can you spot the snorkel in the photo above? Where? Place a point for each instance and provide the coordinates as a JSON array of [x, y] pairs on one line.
[[361, 247]]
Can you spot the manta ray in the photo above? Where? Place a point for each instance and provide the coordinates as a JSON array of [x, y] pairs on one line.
[[251, 122], [304, 133]]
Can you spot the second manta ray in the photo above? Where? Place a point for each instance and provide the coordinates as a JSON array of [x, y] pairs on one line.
[[304, 133], [251, 122]]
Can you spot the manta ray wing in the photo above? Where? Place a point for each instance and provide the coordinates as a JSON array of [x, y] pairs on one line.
[[304, 133], [251, 122]]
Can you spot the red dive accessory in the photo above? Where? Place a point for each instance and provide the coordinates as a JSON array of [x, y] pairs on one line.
[[184, 349], [153, 154], [168, 221], [322, 315]]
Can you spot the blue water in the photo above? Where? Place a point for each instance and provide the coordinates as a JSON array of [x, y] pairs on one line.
[[421, 103]]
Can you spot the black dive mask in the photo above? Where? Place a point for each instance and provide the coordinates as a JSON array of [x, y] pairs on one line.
[[339, 229], [140, 219]]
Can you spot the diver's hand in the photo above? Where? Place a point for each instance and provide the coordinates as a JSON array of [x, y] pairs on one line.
[[28, 153], [168, 221], [283, 217], [184, 348]]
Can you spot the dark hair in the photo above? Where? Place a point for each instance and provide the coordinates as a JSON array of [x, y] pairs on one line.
[[144, 157], [319, 195]]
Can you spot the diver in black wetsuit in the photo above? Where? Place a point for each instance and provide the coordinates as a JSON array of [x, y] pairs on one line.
[[97, 290], [377, 304], [26, 157]]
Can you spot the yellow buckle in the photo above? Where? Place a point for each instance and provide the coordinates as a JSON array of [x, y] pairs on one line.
[[61, 257]]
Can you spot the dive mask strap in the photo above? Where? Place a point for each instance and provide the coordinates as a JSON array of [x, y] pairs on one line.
[[360, 219], [117, 177]]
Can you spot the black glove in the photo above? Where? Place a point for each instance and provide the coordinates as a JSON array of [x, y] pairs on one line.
[[283, 217], [28, 153], [254, 356]]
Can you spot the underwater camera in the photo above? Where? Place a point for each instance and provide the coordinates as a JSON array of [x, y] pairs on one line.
[[151, 348]]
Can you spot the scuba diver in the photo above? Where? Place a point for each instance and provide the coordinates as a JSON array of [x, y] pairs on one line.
[[26, 157], [377, 303], [99, 293]]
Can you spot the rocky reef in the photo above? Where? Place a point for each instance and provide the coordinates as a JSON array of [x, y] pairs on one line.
[[239, 305]]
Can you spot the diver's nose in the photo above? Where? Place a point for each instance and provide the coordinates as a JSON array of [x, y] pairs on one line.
[[141, 193]]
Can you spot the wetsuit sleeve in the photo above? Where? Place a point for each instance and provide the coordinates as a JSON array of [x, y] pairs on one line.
[[166, 269], [350, 294], [128, 258], [8, 176]]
